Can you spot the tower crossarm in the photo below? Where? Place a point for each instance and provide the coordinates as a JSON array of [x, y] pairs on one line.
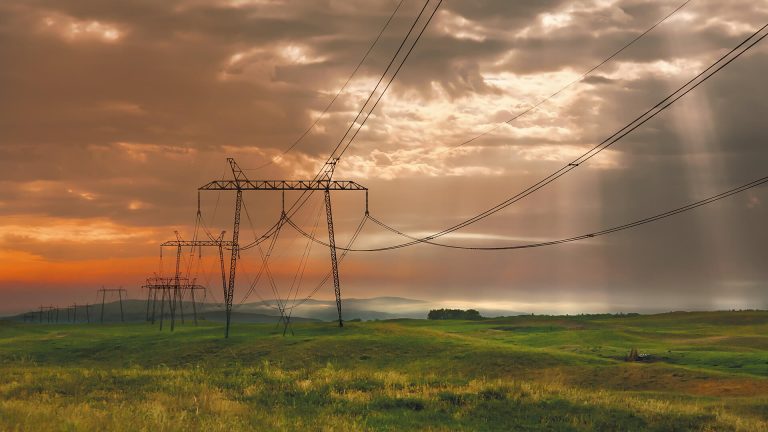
[[170, 286], [196, 243], [298, 185]]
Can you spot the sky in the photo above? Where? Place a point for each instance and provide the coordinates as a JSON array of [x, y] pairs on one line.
[[112, 114]]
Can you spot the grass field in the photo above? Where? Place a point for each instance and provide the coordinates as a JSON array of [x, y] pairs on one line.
[[704, 371]]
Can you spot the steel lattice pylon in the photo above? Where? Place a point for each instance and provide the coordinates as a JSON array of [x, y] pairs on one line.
[[240, 183], [177, 285], [120, 291]]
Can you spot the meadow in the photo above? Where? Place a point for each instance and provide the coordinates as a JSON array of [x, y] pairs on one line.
[[704, 371]]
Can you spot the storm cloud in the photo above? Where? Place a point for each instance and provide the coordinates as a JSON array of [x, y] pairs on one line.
[[113, 113]]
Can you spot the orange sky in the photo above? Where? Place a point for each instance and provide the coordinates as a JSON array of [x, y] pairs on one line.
[[113, 114]]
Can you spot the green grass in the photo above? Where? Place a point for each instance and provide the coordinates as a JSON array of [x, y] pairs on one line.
[[706, 371]]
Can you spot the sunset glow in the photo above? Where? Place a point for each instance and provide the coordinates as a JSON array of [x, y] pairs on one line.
[[111, 121]]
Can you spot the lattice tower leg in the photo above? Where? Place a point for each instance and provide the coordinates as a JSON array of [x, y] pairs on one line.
[[334, 261]]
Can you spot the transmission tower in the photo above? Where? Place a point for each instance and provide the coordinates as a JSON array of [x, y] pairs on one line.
[[165, 286], [179, 288], [48, 312], [174, 288], [241, 183], [74, 307], [169, 287], [119, 292]]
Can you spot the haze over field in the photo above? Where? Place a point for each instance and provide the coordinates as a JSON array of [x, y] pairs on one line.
[[114, 113]]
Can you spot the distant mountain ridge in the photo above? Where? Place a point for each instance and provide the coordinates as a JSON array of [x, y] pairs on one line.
[[376, 308]]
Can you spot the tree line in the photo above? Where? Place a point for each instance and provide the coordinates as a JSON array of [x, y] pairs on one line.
[[453, 314]]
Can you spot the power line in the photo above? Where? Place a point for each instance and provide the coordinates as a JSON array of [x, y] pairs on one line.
[[338, 93], [689, 86], [577, 80], [305, 195], [344, 252], [298, 277], [376, 87], [645, 117], [649, 114], [658, 108], [299, 202], [665, 18], [301, 270], [611, 230], [294, 208], [302, 197], [264, 258], [394, 75]]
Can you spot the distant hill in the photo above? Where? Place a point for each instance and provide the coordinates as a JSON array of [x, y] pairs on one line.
[[137, 311], [377, 308], [366, 309]]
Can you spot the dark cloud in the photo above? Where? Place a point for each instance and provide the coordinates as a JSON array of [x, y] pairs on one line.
[[112, 114]]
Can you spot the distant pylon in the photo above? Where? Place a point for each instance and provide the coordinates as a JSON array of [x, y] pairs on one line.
[[119, 292]]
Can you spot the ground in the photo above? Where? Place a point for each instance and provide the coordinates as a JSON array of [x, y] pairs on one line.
[[699, 371]]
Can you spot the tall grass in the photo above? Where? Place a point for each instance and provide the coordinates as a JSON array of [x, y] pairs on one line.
[[378, 376], [268, 397]]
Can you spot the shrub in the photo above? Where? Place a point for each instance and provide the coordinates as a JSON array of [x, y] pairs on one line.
[[457, 314]]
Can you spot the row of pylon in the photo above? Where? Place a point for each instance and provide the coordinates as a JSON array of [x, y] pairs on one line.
[[52, 314], [172, 292]]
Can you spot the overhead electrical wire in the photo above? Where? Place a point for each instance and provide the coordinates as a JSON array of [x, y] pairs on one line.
[[271, 279], [616, 53], [587, 73], [274, 230], [264, 263], [207, 275], [750, 185], [263, 269], [195, 233], [689, 86], [298, 277], [344, 252], [333, 153], [252, 283], [392, 78], [264, 258], [336, 96], [577, 80], [271, 230], [305, 195], [661, 106], [215, 210]]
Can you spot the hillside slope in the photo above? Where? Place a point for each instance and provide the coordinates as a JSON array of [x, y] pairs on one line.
[[697, 371]]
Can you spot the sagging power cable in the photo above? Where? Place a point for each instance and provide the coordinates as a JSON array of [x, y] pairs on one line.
[[691, 206], [662, 105], [572, 83], [305, 195], [336, 96]]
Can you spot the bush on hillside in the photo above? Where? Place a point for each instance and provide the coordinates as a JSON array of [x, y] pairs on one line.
[[455, 314]]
